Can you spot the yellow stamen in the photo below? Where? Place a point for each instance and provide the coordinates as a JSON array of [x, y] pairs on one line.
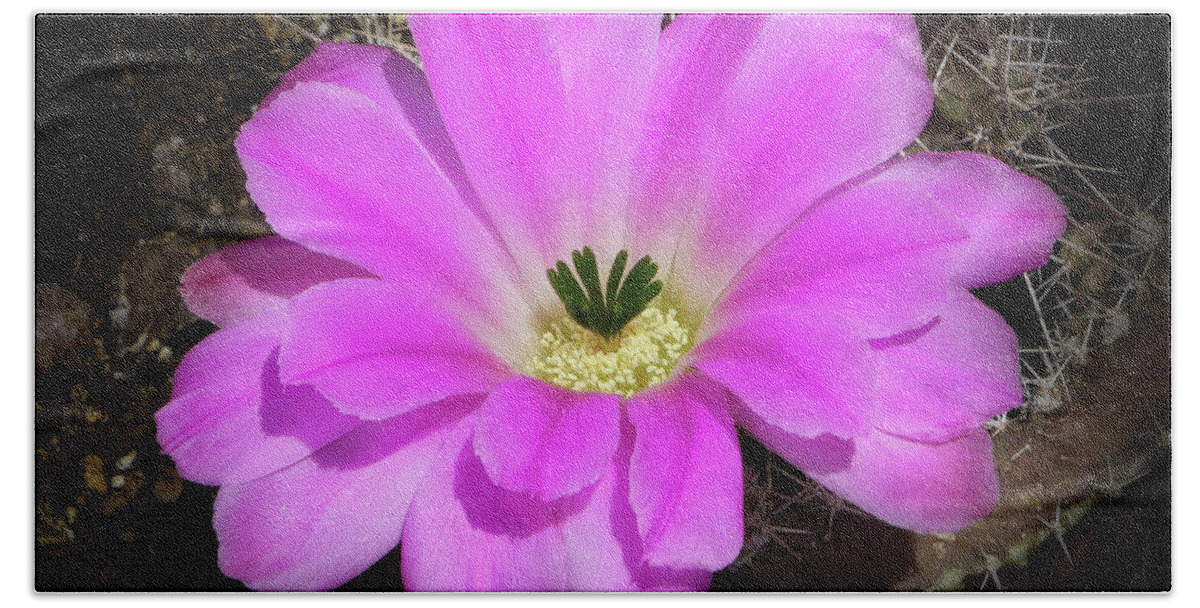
[[642, 355]]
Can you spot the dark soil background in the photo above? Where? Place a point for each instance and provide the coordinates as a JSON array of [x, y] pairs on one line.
[[136, 178]]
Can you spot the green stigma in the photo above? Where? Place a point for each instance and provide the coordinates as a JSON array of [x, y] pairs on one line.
[[604, 312]]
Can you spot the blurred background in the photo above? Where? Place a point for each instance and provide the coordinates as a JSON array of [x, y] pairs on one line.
[[136, 178]]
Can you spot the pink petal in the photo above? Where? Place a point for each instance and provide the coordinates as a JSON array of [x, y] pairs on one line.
[[230, 420], [397, 86], [889, 248], [251, 277], [1013, 219], [808, 375], [924, 487], [875, 297], [550, 441], [337, 173], [879, 250], [463, 533], [950, 379], [686, 475], [361, 67], [606, 62], [325, 519], [367, 69], [377, 350], [754, 117], [545, 110], [824, 453]]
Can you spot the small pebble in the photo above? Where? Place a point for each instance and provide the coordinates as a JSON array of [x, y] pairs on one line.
[[93, 474], [123, 463]]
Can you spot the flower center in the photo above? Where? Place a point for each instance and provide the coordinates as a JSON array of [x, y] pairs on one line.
[[641, 355], [604, 312], [618, 342]]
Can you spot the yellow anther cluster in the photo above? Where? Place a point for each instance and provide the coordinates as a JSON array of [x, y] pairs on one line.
[[641, 356]]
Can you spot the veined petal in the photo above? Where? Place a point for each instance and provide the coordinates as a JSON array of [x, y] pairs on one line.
[[686, 475], [337, 173], [807, 375], [230, 420], [547, 440], [545, 110], [754, 118], [251, 277], [376, 349], [923, 487], [950, 377], [325, 519]]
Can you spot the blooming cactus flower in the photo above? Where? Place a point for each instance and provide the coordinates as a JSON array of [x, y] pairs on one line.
[[520, 301]]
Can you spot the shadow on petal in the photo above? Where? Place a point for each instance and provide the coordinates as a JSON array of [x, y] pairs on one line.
[[624, 527], [297, 411], [825, 453], [371, 442], [496, 510], [904, 337]]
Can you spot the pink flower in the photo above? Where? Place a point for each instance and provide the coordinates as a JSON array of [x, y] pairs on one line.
[[396, 367]]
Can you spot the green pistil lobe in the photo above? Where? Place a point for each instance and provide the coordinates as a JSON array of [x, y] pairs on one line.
[[604, 311]]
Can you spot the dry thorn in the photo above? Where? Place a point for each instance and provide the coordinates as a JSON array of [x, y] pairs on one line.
[[992, 564], [299, 28], [1057, 528]]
